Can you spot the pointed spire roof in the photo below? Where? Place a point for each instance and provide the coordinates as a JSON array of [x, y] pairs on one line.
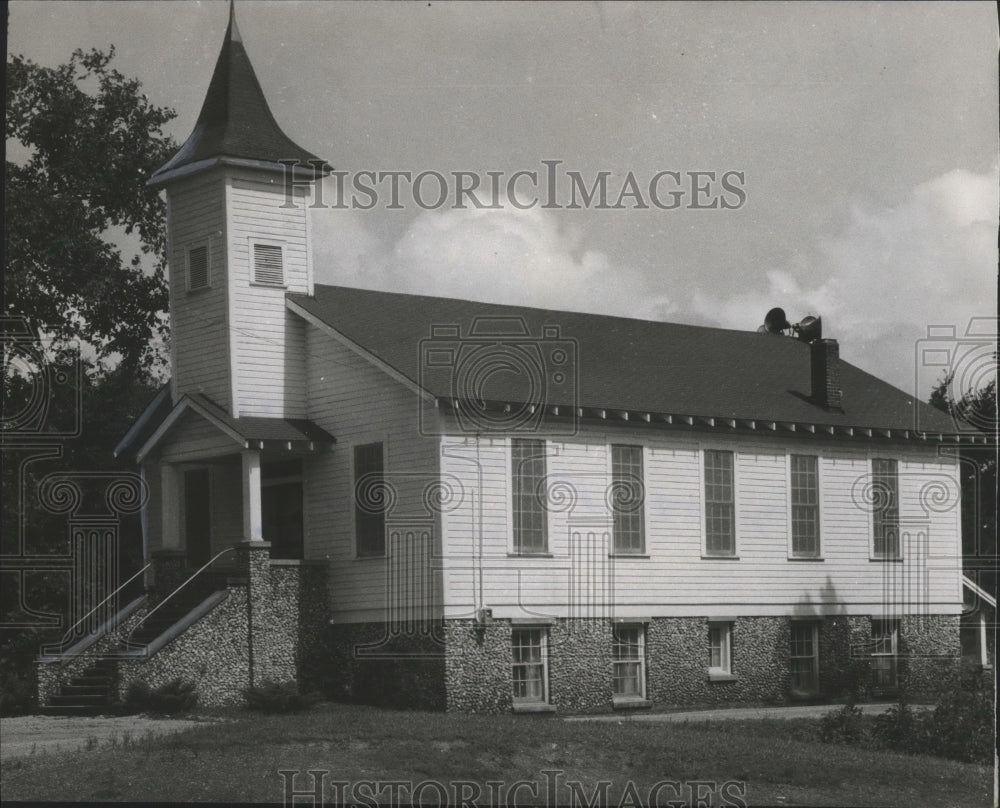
[[235, 120]]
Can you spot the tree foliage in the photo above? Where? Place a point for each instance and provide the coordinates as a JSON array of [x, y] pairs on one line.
[[91, 139], [976, 409], [82, 140]]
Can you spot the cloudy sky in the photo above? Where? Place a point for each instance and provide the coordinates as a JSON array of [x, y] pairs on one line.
[[866, 134]]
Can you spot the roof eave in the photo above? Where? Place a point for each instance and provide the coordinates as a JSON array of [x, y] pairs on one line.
[[717, 423], [291, 169]]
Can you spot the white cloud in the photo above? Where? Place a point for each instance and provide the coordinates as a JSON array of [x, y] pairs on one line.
[[891, 273], [501, 256]]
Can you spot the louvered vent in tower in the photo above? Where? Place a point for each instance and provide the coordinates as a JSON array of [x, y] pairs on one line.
[[267, 265], [198, 268]]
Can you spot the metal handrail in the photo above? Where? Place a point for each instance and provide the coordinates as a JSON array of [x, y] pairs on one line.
[[71, 629], [198, 572]]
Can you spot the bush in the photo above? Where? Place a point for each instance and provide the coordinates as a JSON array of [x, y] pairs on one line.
[[177, 696], [961, 727], [900, 729], [277, 697], [845, 725], [18, 684], [17, 692]]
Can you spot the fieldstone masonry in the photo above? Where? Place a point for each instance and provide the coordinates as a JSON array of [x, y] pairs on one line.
[[929, 650], [477, 666], [212, 653], [272, 625], [269, 627], [580, 675], [677, 661]]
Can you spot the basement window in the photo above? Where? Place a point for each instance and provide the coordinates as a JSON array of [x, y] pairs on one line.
[[628, 654], [720, 651], [529, 649], [268, 264], [198, 273]]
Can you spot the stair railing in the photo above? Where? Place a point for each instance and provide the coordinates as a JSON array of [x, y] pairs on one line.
[[71, 631], [159, 605]]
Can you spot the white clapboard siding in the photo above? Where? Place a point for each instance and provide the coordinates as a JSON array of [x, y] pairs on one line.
[[581, 578], [193, 438], [198, 320], [358, 404], [268, 343]]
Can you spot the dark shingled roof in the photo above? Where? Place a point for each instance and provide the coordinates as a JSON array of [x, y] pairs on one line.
[[235, 120], [248, 428], [257, 428], [627, 364]]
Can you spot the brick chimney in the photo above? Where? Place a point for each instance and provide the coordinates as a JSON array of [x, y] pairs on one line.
[[824, 360]]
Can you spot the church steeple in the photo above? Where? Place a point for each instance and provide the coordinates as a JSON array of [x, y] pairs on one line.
[[235, 125], [236, 247]]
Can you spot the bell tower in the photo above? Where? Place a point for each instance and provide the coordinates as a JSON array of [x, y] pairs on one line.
[[236, 247]]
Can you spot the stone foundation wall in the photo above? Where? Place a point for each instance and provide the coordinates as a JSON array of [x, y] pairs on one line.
[[930, 652], [212, 653], [677, 662], [477, 667], [51, 673], [289, 619], [282, 607], [580, 675]]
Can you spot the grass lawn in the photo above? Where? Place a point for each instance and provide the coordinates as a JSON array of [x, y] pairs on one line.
[[239, 761]]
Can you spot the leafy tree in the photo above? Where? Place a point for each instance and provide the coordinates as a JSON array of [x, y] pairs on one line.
[[91, 139], [976, 409]]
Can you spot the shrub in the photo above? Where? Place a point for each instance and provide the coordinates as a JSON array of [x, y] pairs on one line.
[[961, 727], [844, 725], [18, 688], [900, 729], [177, 696], [17, 693], [277, 697]]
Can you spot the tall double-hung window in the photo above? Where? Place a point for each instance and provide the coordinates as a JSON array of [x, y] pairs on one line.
[[885, 508], [720, 504], [628, 499], [805, 506], [529, 496]]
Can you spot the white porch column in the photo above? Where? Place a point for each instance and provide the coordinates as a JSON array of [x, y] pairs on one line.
[[170, 507], [252, 519], [984, 657]]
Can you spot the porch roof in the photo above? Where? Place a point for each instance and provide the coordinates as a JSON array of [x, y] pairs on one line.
[[250, 432]]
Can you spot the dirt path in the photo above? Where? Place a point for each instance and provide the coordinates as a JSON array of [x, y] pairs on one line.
[[735, 713], [44, 734]]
